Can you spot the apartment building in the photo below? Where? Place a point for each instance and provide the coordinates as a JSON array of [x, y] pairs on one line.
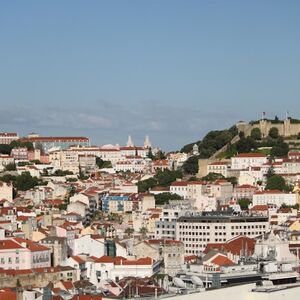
[[165, 228], [244, 161], [8, 137], [180, 188], [19, 253], [244, 191], [218, 167], [197, 230], [274, 197], [20, 153]]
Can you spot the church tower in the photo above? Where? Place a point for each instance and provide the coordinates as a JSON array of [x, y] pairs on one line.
[[130, 142], [147, 143]]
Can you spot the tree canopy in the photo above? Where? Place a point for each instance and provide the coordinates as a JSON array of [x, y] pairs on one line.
[[103, 163], [274, 133], [212, 142], [256, 134], [277, 182], [190, 166], [164, 198]]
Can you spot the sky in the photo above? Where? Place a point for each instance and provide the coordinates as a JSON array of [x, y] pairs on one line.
[[170, 69]]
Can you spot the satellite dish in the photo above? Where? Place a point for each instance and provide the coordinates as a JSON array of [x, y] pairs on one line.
[[197, 281], [178, 282]]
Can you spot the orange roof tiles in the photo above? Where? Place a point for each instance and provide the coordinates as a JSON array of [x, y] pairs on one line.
[[221, 260]]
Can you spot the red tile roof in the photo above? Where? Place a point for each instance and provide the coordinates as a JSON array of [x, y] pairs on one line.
[[221, 260], [9, 244], [68, 285], [8, 294], [250, 155], [78, 259]]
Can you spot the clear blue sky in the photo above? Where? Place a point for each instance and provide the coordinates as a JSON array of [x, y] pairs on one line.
[[170, 69]]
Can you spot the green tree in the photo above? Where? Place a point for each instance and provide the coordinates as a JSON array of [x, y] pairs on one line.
[[163, 198], [62, 173], [212, 177], [150, 154], [190, 166], [280, 149], [63, 206], [274, 133], [246, 145], [18, 144], [256, 134], [233, 180], [244, 203], [277, 182], [145, 185], [103, 163], [11, 167], [166, 177], [5, 149], [298, 136], [25, 182]]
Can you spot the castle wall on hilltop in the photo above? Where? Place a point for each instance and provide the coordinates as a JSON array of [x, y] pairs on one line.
[[286, 128]]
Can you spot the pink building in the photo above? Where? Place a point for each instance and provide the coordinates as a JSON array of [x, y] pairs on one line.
[[20, 254], [8, 137]]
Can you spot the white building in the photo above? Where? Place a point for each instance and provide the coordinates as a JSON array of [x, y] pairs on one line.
[[90, 245], [8, 137], [180, 188], [6, 191], [166, 226], [218, 167], [116, 268], [244, 161], [275, 197], [195, 231]]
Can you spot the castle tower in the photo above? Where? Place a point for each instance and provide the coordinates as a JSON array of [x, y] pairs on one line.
[[130, 142], [147, 143]]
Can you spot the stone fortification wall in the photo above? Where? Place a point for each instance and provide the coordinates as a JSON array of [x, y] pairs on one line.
[[286, 128]]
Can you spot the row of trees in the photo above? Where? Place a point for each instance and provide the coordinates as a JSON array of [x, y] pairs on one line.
[[161, 178], [212, 142], [257, 135], [21, 182], [6, 149]]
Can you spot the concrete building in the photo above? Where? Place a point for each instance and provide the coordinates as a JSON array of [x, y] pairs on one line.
[[6, 191], [165, 228], [20, 153], [197, 230], [274, 197], [218, 167], [244, 161], [19, 253], [8, 137], [58, 247], [56, 142]]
